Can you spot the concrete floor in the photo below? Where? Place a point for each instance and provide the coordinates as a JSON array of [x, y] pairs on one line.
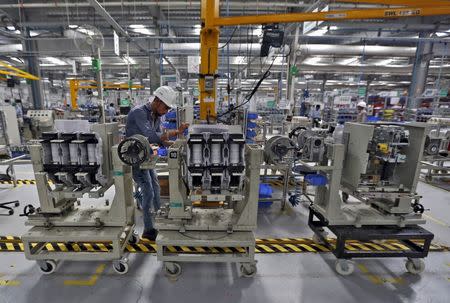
[[305, 277]]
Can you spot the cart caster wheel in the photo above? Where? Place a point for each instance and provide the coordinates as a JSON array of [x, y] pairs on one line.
[[345, 267], [428, 178], [134, 238], [47, 267], [415, 266], [16, 204], [344, 197], [248, 270], [10, 212], [172, 270], [120, 267]]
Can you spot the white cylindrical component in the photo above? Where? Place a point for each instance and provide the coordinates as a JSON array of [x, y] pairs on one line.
[[73, 151], [65, 154], [234, 154], [216, 157], [196, 154], [92, 158], [56, 159], [83, 154]]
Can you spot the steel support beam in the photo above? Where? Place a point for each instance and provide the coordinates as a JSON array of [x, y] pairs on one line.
[[32, 61], [424, 54]]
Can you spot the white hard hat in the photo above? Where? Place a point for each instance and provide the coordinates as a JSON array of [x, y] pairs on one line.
[[362, 104], [167, 95]]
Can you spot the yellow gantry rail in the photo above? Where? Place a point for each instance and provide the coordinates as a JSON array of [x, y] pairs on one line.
[[211, 21], [74, 85], [13, 71]]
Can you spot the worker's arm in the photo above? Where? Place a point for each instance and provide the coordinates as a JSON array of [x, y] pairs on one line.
[[141, 122], [172, 133]]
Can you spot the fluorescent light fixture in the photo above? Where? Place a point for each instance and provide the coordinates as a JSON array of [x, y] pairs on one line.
[[73, 26], [384, 62], [16, 59], [34, 33], [258, 31], [333, 28], [144, 31], [128, 60], [314, 61], [11, 28], [137, 26], [318, 32], [86, 31], [55, 61], [348, 61]]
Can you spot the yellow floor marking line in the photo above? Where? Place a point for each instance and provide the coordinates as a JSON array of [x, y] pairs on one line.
[[435, 220], [8, 282], [89, 282], [372, 278], [377, 279]]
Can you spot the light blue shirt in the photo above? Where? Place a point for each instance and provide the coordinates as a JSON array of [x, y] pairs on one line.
[[111, 111], [315, 114], [19, 112], [141, 121]]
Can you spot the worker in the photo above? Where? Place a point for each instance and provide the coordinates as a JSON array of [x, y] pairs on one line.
[[145, 120], [316, 116], [362, 113], [111, 112]]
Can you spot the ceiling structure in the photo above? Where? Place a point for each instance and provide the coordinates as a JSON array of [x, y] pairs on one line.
[[334, 54]]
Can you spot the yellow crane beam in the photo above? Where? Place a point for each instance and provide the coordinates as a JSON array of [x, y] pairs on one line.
[[402, 2], [13, 71], [74, 86], [338, 15], [211, 21]]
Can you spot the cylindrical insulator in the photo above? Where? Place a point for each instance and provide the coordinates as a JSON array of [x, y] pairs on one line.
[[197, 154], [83, 154], [91, 153], [234, 154], [56, 159], [73, 151], [65, 154], [216, 157]]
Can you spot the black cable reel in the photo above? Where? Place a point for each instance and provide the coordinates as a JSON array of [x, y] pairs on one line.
[[134, 150]]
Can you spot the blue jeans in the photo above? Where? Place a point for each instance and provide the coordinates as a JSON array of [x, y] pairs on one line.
[[148, 184]]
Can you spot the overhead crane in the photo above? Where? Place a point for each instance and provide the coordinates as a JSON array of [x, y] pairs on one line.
[[212, 21]]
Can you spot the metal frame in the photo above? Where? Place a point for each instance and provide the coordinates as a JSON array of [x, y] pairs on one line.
[[406, 236], [60, 221]]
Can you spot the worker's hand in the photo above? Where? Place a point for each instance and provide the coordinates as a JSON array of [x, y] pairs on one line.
[[182, 127]]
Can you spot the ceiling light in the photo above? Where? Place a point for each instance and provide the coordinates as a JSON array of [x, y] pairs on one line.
[[257, 31], [317, 32], [333, 28], [55, 61], [137, 26], [16, 59], [348, 61], [11, 28], [144, 31], [73, 26], [128, 60], [86, 31], [384, 62]]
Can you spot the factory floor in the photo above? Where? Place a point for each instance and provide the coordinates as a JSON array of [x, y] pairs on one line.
[[301, 277]]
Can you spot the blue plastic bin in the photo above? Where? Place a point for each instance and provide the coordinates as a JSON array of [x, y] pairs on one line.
[[316, 179]]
